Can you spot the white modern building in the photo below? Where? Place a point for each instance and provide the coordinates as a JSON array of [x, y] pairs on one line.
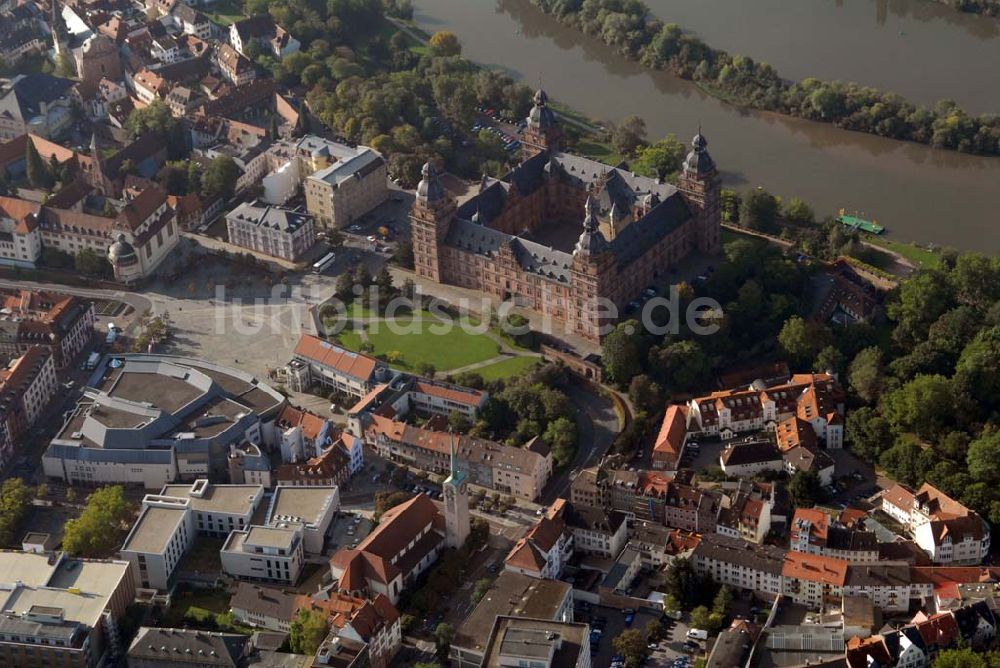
[[156, 419], [158, 541], [265, 554], [310, 508]]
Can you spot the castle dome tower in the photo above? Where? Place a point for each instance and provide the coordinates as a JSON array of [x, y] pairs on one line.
[[591, 243], [701, 188], [456, 503], [430, 217], [543, 132]]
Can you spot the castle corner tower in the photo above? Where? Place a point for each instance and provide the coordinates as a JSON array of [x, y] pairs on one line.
[[543, 133], [702, 189], [456, 504], [430, 217]]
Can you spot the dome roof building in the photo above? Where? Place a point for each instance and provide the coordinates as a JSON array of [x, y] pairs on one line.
[[429, 189], [698, 161]]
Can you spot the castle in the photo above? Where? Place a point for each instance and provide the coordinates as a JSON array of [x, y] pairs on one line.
[[514, 238]]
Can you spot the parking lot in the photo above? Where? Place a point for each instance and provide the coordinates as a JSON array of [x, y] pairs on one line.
[[347, 530], [612, 623]]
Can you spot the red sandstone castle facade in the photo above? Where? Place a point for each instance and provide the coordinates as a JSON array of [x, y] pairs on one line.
[[635, 229]]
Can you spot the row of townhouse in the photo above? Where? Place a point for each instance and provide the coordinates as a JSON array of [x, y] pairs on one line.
[[800, 410], [945, 529], [814, 532], [918, 643], [27, 386], [545, 548], [62, 324], [745, 511]]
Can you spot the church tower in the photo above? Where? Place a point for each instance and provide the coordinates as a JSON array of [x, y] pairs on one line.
[[543, 132], [430, 217], [702, 190], [56, 28], [456, 504]]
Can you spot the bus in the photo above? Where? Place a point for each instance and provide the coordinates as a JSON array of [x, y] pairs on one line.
[[324, 263]]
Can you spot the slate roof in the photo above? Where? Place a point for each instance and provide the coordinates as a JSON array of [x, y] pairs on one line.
[[31, 90], [614, 187]]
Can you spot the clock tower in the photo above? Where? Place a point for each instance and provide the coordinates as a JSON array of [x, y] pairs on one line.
[[456, 503]]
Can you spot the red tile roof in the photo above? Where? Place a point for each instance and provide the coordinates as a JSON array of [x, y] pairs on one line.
[[815, 568], [327, 354], [670, 440]]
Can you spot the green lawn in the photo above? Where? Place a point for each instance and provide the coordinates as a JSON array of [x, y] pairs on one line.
[[209, 608], [226, 12], [449, 350], [595, 150], [511, 366], [921, 257]]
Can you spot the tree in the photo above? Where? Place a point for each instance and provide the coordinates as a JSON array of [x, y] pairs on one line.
[[723, 599], [15, 498], [978, 369], [87, 261], [804, 489], [426, 369], [344, 289], [628, 137], [644, 394], [37, 172], [386, 500], [630, 644], [682, 366], [868, 433], [654, 630], [660, 160], [982, 458], [479, 590], [802, 340], [97, 531], [220, 177], [621, 353], [798, 211], [560, 434], [457, 422], [443, 635], [701, 618], [864, 375], [403, 255], [759, 210], [445, 43], [924, 405], [682, 582], [158, 119], [384, 282], [829, 359], [307, 632], [965, 657]]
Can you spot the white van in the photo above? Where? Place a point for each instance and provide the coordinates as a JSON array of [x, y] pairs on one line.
[[697, 634]]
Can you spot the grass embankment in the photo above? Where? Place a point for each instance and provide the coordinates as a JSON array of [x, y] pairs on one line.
[[512, 366]]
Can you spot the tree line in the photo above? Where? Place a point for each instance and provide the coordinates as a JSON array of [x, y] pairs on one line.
[[628, 27]]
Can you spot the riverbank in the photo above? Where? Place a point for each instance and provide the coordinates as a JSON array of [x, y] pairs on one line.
[[742, 81]]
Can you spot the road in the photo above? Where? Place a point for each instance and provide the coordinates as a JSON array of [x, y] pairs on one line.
[[597, 426]]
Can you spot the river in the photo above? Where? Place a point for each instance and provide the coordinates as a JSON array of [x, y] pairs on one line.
[[918, 193], [923, 50]]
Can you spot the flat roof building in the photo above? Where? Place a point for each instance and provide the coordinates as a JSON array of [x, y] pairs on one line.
[[155, 419], [56, 610], [537, 642], [515, 595]]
